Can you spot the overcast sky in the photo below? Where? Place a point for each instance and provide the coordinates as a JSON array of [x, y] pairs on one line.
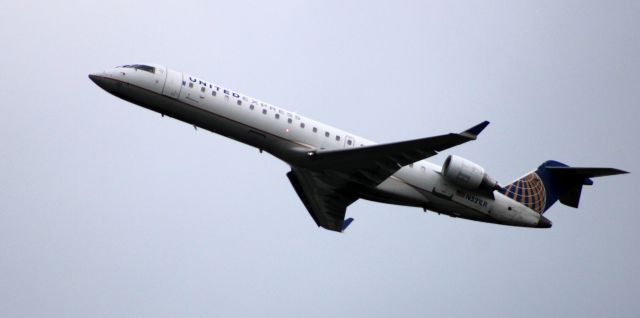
[[109, 210]]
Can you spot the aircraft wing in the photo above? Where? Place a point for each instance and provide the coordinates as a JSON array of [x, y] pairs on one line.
[[371, 165], [325, 199], [330, 181]]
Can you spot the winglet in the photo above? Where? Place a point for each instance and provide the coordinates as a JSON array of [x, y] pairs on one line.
[[474, 131], [346, 224]]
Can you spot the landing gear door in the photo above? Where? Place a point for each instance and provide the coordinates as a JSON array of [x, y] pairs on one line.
[[173, 84]]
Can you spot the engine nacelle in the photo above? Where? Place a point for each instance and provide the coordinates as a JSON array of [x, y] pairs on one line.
[[467, 174]]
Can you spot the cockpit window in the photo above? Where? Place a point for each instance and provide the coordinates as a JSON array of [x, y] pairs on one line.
[[141, 67]]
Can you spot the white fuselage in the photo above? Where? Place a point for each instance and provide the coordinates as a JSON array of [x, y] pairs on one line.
[[290, 137]]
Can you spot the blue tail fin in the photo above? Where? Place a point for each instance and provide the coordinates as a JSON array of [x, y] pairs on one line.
[[554, 181]]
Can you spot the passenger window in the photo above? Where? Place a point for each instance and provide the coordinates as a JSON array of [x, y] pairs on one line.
[[289, 120], [301, 125], [264, 111], [213, 93], [251, 107], [326, 134], [315, 129], [349, 142], [337, 138], [190, 85], [277, 116], [202, 89], [239, 102]]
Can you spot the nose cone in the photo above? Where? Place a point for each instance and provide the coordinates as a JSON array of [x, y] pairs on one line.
[[95, 78], [106, 83], [544, 223]]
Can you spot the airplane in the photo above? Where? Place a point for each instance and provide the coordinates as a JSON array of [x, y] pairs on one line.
[[332, 168]]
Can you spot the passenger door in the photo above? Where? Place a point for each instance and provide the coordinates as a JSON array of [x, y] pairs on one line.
[[173, 84]]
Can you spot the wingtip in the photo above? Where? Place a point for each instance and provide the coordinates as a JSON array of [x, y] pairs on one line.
[[474, 131], [346, 224], [618, 171]]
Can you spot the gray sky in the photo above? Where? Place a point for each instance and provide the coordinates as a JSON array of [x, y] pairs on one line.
[[109, 210]]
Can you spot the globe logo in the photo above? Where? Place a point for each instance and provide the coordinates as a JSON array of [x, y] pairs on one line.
[[529, 191]]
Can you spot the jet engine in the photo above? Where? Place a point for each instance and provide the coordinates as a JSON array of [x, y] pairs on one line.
[[467, 174]]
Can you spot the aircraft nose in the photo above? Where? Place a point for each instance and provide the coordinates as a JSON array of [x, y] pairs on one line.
[[94, 77], [103, 81], [544, 223]]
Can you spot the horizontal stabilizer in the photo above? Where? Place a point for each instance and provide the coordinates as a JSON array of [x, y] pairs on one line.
[[584, 173], [570, 181]]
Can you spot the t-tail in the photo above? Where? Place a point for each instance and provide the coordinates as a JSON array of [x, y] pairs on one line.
[[554, 181]]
